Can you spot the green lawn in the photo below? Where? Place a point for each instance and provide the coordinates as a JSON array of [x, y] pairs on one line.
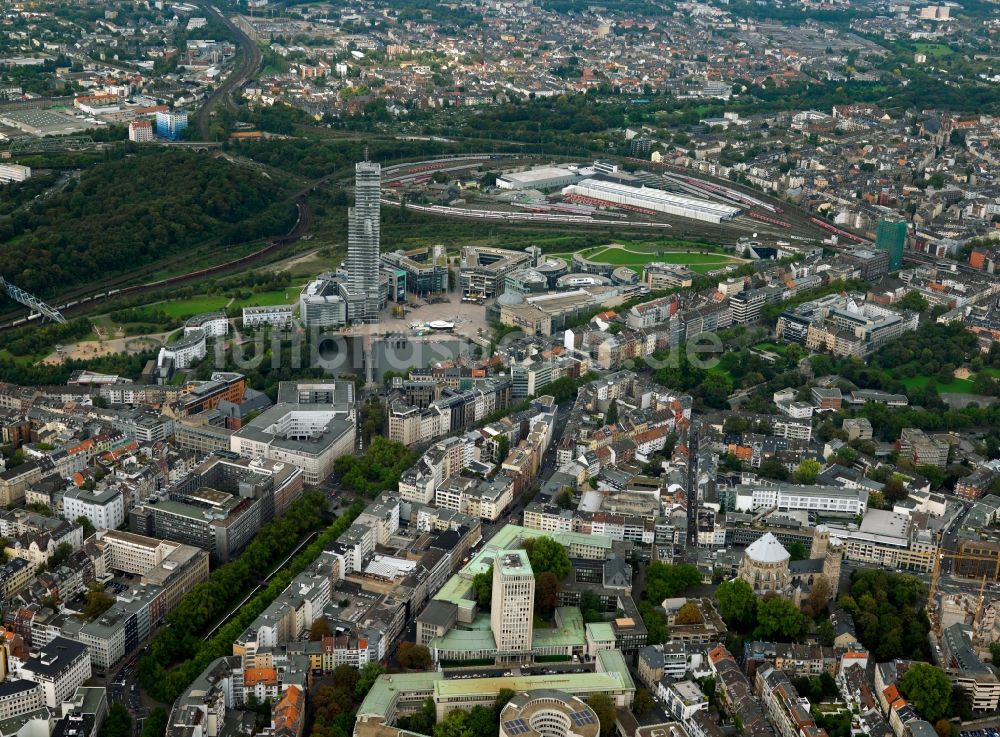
[[934, 51], [193, 305], [624, 257], [269, 299], [955, 386], [637, 255], [771, 347]]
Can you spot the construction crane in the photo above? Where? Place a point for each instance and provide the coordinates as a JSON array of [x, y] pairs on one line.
[[30, 301], [936, 572]]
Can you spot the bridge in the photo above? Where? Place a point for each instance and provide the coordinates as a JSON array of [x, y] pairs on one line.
[[30, 301], [55, 143]]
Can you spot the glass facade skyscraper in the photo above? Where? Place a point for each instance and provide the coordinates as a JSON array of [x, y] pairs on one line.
[[363, 244]]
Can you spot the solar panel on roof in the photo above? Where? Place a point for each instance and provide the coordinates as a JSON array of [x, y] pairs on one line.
[[515, 727], [581, 718]]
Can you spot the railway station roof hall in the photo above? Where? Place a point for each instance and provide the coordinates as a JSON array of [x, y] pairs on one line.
[[652, 199]]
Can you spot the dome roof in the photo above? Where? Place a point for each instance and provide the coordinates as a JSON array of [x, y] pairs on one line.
[[767, 549], [510, 298]]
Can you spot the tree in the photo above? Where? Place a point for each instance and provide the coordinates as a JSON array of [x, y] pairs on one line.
[[716, 388], [423, 721], [807, 471], [504, 695], [928, 688], [503, 449], [665, 581], [366, 678], [655, 620], [412, 655], [590, 605], [820, 593], [737, 604], [642, 702], [604, 708], [995, 652], [942, 726], [797, 551], [62, 553], [612, 416], [825, 633], [482, 588], [689, 614], [377, 470], [98, 601], [118, 723], [913, 300], [319, 629], [777, 617], [455, 724], [155, 724], [564, 499], [88, 526], [894, 490], [546, 593], [772, 468], [548, 556]]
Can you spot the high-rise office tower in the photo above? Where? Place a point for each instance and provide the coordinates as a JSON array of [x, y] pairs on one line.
[[363, 244], [890, 236], [512, 609]]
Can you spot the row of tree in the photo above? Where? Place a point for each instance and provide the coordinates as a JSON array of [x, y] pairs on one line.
[[178, 653]]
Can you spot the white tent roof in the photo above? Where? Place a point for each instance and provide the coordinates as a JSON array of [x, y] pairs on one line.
[[767, 549]]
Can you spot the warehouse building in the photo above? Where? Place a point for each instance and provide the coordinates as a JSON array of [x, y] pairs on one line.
[[656, 200], [542, 177]]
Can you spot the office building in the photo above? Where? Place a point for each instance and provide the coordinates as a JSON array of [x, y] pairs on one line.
[[513, 605], [890, 236], [279, 316], [14, 173], [425, 270], [140, 131], [104, 508], [311, 425], [19, 697], [363, 224], [321, 303], [220, 506], [59, 668], [169, 125], [483, 270]]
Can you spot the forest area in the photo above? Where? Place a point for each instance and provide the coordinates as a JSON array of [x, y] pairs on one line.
[[125, 214]]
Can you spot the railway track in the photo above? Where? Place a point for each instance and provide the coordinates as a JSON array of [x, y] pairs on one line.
[[79, 303], [247, 66]]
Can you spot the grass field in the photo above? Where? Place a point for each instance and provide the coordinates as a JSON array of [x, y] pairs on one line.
[[934, 51], [772, 348], [193, 306], [269, 299], [955, 386], [636, 256]]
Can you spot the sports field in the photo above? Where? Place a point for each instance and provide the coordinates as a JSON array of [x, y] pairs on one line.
[[955, 386], [637, 256]]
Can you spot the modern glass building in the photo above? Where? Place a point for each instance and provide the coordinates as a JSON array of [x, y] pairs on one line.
[[890, 236]]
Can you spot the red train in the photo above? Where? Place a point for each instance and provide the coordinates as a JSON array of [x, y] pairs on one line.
[[837, 231], [768, 219]]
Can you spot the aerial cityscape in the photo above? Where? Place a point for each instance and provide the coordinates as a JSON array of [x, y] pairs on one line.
[[531, 368]]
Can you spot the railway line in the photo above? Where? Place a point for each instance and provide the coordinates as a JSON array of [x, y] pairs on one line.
[[246, 66], [774, 220], [80, 301]]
